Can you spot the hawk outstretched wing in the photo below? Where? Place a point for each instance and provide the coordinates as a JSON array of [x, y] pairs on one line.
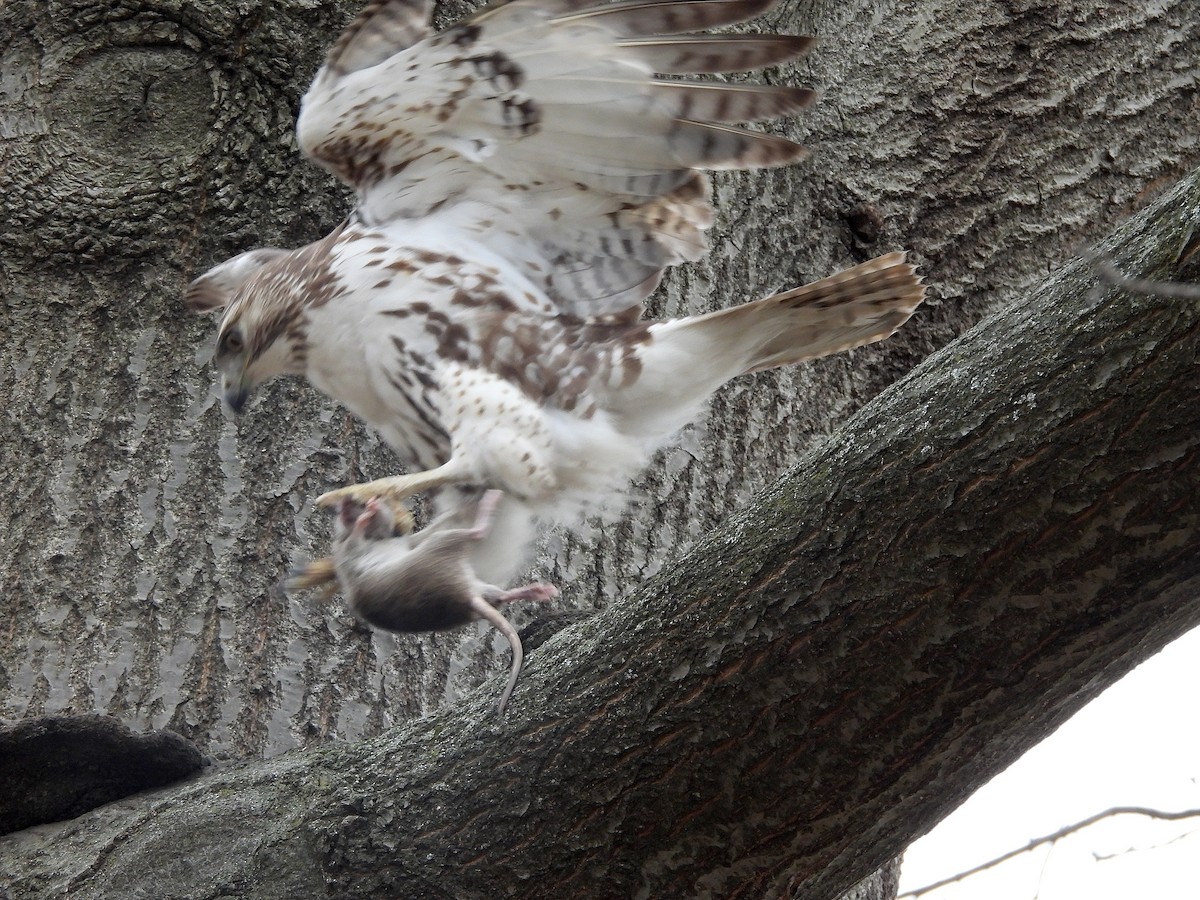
[[541, 129]]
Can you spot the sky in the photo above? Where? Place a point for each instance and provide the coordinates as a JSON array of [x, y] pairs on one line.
[[1138, 744]]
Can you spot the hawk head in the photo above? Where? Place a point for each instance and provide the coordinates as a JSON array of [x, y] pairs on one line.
[[262, 329]]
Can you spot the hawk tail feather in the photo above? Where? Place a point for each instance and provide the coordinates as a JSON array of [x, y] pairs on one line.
[[858, 306], [861, 305]]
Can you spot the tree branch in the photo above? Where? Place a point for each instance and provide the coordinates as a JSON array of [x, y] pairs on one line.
[[979, 552], [1053, 838], [1105, 857], [1113, 276]]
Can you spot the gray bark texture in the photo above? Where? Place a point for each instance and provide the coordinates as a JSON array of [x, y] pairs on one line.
[[814, 684], [147, 531], [948, 575]]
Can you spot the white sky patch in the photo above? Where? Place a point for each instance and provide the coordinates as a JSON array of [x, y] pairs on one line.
[[1138, 744]]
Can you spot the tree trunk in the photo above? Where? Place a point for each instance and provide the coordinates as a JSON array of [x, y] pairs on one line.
[[975, 555], [147, 532]]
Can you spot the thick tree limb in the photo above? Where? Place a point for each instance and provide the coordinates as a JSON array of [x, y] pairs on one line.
[[140, 143], [980, 551]]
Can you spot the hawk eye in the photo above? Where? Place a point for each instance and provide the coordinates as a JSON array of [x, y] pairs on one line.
[[231, 342]]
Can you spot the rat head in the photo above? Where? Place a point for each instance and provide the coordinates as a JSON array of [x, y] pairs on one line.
[[375, 520], [262, 331]]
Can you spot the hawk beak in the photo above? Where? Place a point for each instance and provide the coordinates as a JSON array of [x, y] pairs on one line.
[[237, 394]]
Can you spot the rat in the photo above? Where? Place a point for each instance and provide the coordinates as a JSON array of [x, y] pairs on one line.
[[423, 581], [320, 573]]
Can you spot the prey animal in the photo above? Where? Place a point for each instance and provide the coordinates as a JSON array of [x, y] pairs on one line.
[[423, 581], [523, 179]]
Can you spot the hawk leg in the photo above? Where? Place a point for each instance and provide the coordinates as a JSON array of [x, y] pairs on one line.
[[395, 489]]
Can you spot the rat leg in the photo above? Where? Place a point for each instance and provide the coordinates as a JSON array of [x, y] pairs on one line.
[[395, 519], [496, 596], [380, 517], [539, 591], [484, 513], [367, 518]]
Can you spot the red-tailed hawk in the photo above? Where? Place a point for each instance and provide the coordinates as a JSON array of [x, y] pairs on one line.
[[523, 179]]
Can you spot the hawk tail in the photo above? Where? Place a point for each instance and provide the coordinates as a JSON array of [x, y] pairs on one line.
[[858, 306], [686, 360]]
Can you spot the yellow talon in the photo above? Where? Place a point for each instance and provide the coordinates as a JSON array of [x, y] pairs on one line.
[[316, 574]]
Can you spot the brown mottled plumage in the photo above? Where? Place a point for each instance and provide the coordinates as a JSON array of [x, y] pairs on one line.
[[523, 179]]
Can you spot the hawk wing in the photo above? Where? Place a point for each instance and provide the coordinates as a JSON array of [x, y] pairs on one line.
[[539, 128]]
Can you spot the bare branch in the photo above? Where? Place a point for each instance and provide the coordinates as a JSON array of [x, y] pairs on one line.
[[1104, 857], [1145, 286], [1051, 838]]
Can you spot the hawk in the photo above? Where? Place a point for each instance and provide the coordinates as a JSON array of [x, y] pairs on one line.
[[523, 179]]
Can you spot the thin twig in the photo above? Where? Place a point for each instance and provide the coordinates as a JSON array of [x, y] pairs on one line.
[[1117, 278], [1105, 857], [1051, 838], [1037, 893]]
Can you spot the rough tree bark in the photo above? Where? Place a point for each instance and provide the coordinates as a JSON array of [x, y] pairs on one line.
[[976, 554], [140, 142]]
